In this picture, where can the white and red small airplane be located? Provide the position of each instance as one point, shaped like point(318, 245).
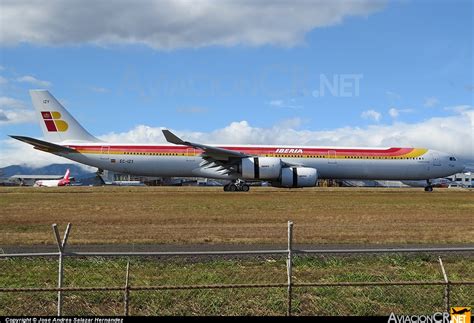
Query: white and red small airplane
point(281, 166)
point(54, 182)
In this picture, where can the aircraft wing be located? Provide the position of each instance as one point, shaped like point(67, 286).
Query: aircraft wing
point(44, 145)
point(210, 152)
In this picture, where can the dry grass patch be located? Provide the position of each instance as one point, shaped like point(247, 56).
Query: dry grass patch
point(103, 215)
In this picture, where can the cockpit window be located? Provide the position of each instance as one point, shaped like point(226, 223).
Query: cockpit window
point(452, 158)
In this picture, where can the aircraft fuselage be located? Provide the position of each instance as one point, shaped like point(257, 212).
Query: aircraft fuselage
point(331, 163)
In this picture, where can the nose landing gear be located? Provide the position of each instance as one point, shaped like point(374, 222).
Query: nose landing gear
point(237, 186)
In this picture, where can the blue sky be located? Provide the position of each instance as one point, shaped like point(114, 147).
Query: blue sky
point(373, 68)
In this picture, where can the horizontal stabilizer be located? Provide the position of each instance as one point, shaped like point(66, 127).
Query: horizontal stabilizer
point(44, 145)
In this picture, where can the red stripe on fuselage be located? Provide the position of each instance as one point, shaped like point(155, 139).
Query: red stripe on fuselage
point(251, 150)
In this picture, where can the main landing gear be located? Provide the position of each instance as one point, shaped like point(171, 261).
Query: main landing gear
point(428, 187)
point(237, 186)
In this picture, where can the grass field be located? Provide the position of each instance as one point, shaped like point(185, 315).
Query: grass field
point(148, 215)
point(360, 300)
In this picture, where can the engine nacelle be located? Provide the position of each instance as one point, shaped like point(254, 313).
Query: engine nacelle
point(260, 168)
point(298, 177)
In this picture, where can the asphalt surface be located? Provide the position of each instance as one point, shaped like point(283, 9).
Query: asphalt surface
point(219, 247)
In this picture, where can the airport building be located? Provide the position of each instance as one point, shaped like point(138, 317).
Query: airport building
point(462, 179)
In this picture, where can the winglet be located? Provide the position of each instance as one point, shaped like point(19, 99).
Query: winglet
point(214, 152)
point(172, 138)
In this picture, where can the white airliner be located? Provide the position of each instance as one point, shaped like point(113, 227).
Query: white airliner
point(282, 165)
point(54, 182)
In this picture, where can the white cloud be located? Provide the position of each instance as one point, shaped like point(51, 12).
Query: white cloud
point(11, 103)
point(276, 103)
point(450, 134)
point(169, 24)
point(371, 114)
point(459, 108)
point(3, 80)
point(394, 112)
point(454, 134)
point(33, 80)
point(16, 116)
point(14, 111)
point(288, 104)
point(431, 102)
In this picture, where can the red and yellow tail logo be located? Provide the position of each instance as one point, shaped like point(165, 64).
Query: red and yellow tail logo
point(53, 122)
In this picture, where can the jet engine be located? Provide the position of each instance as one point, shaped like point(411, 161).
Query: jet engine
point(260, 168)
point(298, 177)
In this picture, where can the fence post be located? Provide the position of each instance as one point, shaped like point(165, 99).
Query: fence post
point(447, 288)
point(127, 290)
point(61, 248)
point(289, 265)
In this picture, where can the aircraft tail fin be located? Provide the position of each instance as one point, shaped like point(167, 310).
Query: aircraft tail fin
point(65, 180)
point(57, 123)
point(66, 176)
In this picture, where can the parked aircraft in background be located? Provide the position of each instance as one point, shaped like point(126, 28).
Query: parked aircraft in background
point(281, 166)
point(55, 182)
point(30, 180)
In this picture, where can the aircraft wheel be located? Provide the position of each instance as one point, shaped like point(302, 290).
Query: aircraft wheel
point(429, 189)
point(226, 188)
point(245, 188)
point(232, 188)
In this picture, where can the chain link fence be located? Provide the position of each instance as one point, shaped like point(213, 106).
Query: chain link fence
point(264, 282)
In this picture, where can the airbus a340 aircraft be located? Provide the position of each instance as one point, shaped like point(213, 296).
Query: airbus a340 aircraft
point(282, 166)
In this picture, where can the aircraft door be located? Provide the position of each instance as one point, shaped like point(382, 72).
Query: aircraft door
point(190, 154)
point(104, 152)
point(332, 157)
point(436, 160)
